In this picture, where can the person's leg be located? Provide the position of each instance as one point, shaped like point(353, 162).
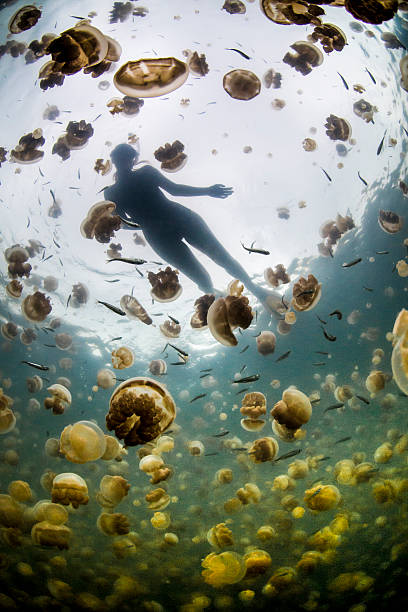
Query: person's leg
point(177, 254)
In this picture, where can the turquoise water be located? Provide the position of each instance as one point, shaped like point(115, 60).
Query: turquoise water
point(314, 555)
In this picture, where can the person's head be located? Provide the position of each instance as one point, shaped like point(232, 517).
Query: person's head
point(124, 156)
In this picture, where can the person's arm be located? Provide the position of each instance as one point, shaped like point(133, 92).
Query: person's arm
point(176, 189)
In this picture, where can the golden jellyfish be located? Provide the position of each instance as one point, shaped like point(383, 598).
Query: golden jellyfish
point(61, 399)
point(170, 329)
point(105, 379)
point(134, 310)
point(375, 381)
point(151, 463)
point(11, 513)
point(157, 499)
point(343, 393)
point(195, 448)
point(51, 447)
point(165, 285)
point(60, 590)
point(322, 497)
point(252, 424)
point(148, 78)
point(250, 492)
point(101, 222)
point(48, 534)
point(344, 472)
point(36, 307)
point(399, 358)
point(330, 36)
point(112, 490)
point(276, 277)
point(16, 257)
point(263, 449)
point(253, 405)
point(201, 306)
point(226, 314)
point(63, 341)
point(223, 568)
point(113, 450)
point(158, 367)
point(27, 152)
point(20, 491)
point(24, 19)
point(364, 472)
point(171, 156)
point(265, 343)
point(160, 520)
point(257, 562)
point(14, 289)
point(69, 488)
point(383, 453)
point(298, 469)
point(324, 539)
point(305, 57)
point(389, 221)
point(140, 409)
point(306, 293)
point(220, 536)
point(9, 330)
point(266, 533)
point(122, 358)
point(283, 327)
point(113, 524)
point(224, 476)
point(84, 441)
point(27, 336)
point(7, 417)
point(241, 84)
point(293, 410)
point(337, 128)
point(45, 510)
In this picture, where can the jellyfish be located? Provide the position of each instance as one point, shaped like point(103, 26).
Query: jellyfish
point(20, 491)
point(26, 152)
point(293, 410)
point(337, 128)
point(134, 309)
point(265, 343)
point(140, 409)
point(322, 497)
point(257, 562)
point(165, 285)
point(24, 19)
point(372, 13)
point(69, 488)
point(160, 520)
point(170, 329)
point(63, 341)
point(112, 490)
point(201, 306)
point(50, 283)
point(224, 476)
point(171, 156)
point(46, 510)
point(157, 499)
point(306, 56)
point(306, 293)
point(375, 381)
point(298, 469)
point(151, 463)
point(399, 358)
point(291, 12)
point(330, 37)
point(105, 379)
point(84, 441)
point(79, 295)
point(14, 289)
point(223, 568)
point(220, 536)
point(148, 78)
point(65, 363)
point(390, 222)
point(27, 336)
point(7, 417)
point(101, 222)
point(225, 314)
point(158, 367)
point(122, 358)
point(36, 307)
point(263, 449)
point(383, 453)
point(16, 257)
point(365, 110)
point(113, 524)
point(47, 534)
point(241, 84)
point(196, 448)
point(9, 330)
point(61, 399)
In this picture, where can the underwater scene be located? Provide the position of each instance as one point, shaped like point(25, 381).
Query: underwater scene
point(204, 340)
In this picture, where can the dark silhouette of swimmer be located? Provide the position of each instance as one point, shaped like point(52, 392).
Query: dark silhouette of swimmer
point(166, 224)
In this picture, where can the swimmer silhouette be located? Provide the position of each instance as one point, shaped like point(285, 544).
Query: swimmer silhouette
point(166, 224)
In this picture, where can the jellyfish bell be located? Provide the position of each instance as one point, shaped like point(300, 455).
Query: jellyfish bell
point(111, 524)
point(165, 285)
point(158, 367)
point(27, 336)
point(122, 358)
point(375, 381)
point(24, 19)
point(69, 488)
point(63, 341)
point(34, 384)
point(171, 156)
point(390, 222)
point(293, 410)
point(9, 330)
point(148, 78)
point(225, 314)
point(337, 128)
point(306, 293)
point(7, 416)
point(201, 306)
point(112, 490)
point(170, 329)
point(241, 84)
point(222, 569)
point(84, 441)
point(101, 222)
point(304, 58)
point(105, 379)
point(79, 295)
point(266, 342)
point(36, 307)
point(14, 289)
point(263, 449)
point(134, 310)
point(60, 398)
point(47, 534)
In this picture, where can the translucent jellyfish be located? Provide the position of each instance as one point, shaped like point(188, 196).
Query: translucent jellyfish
point(272, 79)
point(322, 497)
point(79, 295)
point(201, 305)
point(112, 490)
point(69, 488)
point(134, 309)
point(106, 379)
point(7, 417)
point(165, 285)
point(84, 441)
point(298, 469)
point(27, 152)
point(293, 410)
point(11, 513)
point(196, 448)
point(226, 314)
point(171, 156)
point(148, 78)
point(20, 491)
point(399, 358)
point(158, 367)
point(309, 144)
point(241, 84)
point(113, 524)
point(365, 110)
point(223, 568)
point(306, 293)
point(157, 499)
point(61, 399)
point(47, 534)
point(65, 363)
point(265, 342)
point(51, 447)
point(263, 449)
point(375, 381)
point(101, 222)
point(383, 453)
point(9, 330)
point(224, 476)
point(114, 450)
point(14, 289)
point(170, 329)
point(283, 327)
point(306, 56)
point(63, 341)
point(27, 336)
point(24, 19)
point(390, 222)
point(140, 409)
point(46, 510)
point(220, 536)
point(234, 7)
point(36, 307)
point(250, 492)
point(50, 283)
point(122, 358)
point(151, 463)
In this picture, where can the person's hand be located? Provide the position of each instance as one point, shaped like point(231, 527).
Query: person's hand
point(219, 191)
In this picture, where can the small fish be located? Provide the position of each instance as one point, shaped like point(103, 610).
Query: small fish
point(221, 434)
point(244, 349)
point(315, 401)
point(68, 300)
point(315, 493)
point(247, 379)
point(242, 369)
point(56, 243)
point(47, 258)
point(206, 370)
point(380, 146)
point(382, 252)
point(368, 288)
point(114, 309)
point(324, 459)
point(343, 80)
point(157, 314)
point(135, 262)
point(50, 345)
point(117, 338)
point(333, 407)
point(178, 363)
point(174, 320)
point(361, 179)
point(322, 352)
point(328, 336)
point(371, 76)
point(406, 131)
point(327, 176)
point(76, 17)
point(319, 363)
point(282, 357)
point(130, 223)
point(205, 375)
point(96, 117)
point(37, 366)
point(239, 449)
point(53, 195)
point(284, 303)
point(121, 379)
point(242, 391)
point(210, 454)
point(352, 263)
point(197, 397)
point(28, 222)
point(158, 263)
point(242, 54)
point(336, 313)
point(346, 439)
point(178, 350)
point(259, 251)
point(289, 455)
point(115, 280)
point(79, 170)
point(40, 171)
point(363, 399)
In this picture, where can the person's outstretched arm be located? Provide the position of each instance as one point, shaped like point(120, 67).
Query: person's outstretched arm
point(215, 191)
